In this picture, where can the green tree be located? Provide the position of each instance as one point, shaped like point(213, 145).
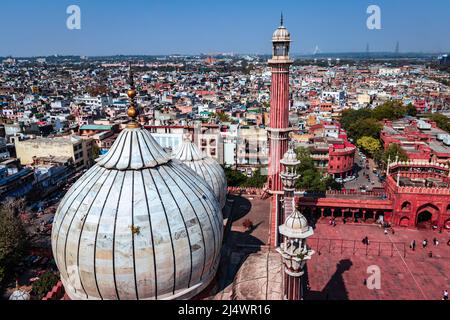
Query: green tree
point(369, 144)
point(13, 239)
point(442, 121)
point(95, 151)
point(223, 117)
point(411, 110)
point(369, 127)
point(235, 178)
point(366, 122)
point(45, 284)
point(255, 181)
point(392, 152)
point(351, 116)
point(311, 179)
point(391, 110)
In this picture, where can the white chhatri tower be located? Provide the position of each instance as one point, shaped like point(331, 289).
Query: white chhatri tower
point(294, 232)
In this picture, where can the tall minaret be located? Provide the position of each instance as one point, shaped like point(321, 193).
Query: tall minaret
point(279, 120)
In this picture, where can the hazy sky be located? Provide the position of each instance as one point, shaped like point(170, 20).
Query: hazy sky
point(108, 27)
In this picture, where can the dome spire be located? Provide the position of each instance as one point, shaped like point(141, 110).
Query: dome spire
point(282, 20)
point(132, 110)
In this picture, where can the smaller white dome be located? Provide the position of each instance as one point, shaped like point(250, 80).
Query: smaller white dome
point(19, 295)
point(206, 167)
point(290, 158)
point(296, 226)
point(281, 34)
point(297, 221)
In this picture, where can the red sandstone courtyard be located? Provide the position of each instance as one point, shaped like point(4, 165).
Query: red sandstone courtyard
point(405, 274)
point(339, 267)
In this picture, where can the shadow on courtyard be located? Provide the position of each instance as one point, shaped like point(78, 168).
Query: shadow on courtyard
point(335, 288)
point(241, 207)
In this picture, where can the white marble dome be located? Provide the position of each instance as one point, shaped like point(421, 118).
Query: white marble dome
point(296, 226)
point(20, 295)
point(281, 34)
point(137, 226)
point(206, 167)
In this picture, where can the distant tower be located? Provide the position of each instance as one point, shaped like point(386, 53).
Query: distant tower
point(316, 50)
point(279, 119)
point(397, 48)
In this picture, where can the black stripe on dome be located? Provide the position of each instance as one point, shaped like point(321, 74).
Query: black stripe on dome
point(61, 214)
point(132, 234)
point(75, 193)
point(151, 234)
point(96, 235)
point(121, 150)
point(185, 227)
point(200, 194)
point(82, 228)
point(170, 232)
point(73, 218)
point(140, 151)
point(114, 237)
point(150, 150)
point(111, 152)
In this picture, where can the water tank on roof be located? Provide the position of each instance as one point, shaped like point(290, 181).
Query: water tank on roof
point(423, 125)
point(446, 140)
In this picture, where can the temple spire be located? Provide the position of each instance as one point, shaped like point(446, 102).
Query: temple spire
point(132, 110)
point(281, 20)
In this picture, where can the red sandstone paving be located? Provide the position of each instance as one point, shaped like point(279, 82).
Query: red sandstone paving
point(414, 277)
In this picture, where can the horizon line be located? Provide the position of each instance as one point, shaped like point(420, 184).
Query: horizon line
point(226, 53)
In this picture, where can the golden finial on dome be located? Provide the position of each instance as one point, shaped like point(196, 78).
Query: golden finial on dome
point(132, 110)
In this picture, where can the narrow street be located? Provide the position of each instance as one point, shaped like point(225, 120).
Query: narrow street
point(360, 173)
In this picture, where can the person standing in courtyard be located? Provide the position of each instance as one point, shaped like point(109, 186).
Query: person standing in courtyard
point(445, 296)
point(424, 243)
point(413, 245)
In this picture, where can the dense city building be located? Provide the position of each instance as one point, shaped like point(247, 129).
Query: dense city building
point(223, 176)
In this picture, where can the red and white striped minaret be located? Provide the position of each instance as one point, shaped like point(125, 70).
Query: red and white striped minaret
point(279, 121)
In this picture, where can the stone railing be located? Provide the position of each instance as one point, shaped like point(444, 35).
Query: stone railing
point(332, 193)
point(57, 292)
point(249, 191)
point(419, 164)
point(423, 190)
point(420, 175)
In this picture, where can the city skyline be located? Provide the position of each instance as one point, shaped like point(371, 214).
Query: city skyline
point(189, 28)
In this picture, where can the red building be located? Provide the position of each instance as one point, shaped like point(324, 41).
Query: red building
point(331, 150)
point(420, 194)
point(416, 194)
point(341, 159)
point(420, 139)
